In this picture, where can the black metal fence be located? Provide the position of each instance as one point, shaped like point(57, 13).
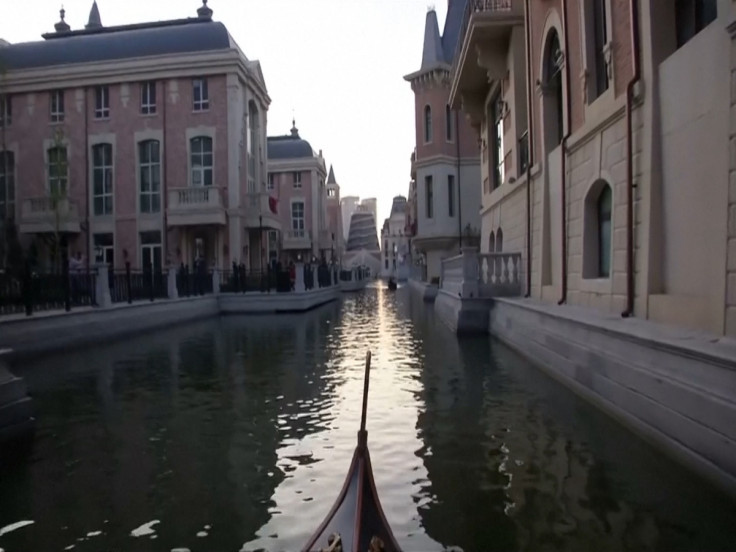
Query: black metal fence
point(196, 282)
point(129, 285)
point(31, 292)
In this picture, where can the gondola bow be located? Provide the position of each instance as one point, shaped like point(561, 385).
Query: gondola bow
point(356, 522)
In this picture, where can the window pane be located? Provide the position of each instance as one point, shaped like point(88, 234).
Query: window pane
point(145, 203)
point(156, 203)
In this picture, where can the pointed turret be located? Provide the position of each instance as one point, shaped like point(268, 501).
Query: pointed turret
point(204, 12)
point(432, 53)
point(62, 26)
point(95, 22)
point(331, 177)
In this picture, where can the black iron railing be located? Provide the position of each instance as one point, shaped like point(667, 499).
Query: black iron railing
point(129, 285)
point(194, 282)
point(30, 291)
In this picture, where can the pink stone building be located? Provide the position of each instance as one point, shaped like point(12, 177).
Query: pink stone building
point(305, 203)
point(140, 143)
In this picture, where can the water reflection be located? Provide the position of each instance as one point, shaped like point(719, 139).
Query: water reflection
point(236, 433)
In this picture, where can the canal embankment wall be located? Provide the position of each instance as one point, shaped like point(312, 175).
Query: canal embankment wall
point(48, 332)
point(676, 388)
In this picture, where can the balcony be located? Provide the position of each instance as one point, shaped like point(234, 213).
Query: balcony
point(41, 215)
point(257, 205)
point(480, 53)
point(195, 207)
point(297, 240)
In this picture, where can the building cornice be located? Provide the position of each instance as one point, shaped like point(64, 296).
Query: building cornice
point(298, 164)
point(134, 70)
point(446, 160)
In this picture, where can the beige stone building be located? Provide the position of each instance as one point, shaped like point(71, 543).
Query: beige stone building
point(605, 151)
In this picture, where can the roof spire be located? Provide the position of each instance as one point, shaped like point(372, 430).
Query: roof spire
point(432, 51)
point(94, 17)
point(294, 130)
point(62, 26)
point(331, 176)
point(204, 12)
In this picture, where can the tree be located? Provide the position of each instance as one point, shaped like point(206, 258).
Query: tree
point(57, 198)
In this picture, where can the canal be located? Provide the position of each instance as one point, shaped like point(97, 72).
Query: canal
point(235, 433)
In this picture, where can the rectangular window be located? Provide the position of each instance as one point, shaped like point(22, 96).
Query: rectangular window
point(271, 184)
point(692, 16)
point(7, 185)
point(331, 192)
point(6, 110)
point(104, 242)
point(201, 161)
point(200, 94)
point(57, 106)
point(600, 39)
point(57, 172)
point(451, 195)
point(498, 149)
point(151, 250)
point(297, 176)
point(297, 219)
point(148, 98)
point(429, 196)
point(102, 179)
point(448, 123)
point(102, 102)
point(149, 156)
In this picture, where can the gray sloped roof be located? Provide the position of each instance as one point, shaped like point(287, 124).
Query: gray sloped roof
point(111, 43)
point(453, 23)
point(288, 147)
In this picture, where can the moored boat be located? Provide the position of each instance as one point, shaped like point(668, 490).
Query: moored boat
point(356, 522)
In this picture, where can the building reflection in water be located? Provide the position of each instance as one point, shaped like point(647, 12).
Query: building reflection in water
point(517, 462)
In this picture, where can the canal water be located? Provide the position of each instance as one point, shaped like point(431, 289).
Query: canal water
point(235, 433)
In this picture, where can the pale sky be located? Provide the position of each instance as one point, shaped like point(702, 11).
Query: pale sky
point(337, 66)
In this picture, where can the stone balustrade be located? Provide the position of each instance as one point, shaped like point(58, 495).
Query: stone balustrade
point(473, 275)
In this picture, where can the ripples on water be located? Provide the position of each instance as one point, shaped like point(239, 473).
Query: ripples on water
point(236, 433)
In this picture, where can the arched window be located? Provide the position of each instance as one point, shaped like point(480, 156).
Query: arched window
point(552, 88)
point(427, 124)
point(201, 161)
point(597, 231)
point(448, 124)
point(149, 162)
point(492, 242)
point(499, 241)
point(605, 207)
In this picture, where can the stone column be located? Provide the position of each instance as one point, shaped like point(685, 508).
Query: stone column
point(102, 286)
point(469, 287)
point(171, 282)
point(299, 282)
